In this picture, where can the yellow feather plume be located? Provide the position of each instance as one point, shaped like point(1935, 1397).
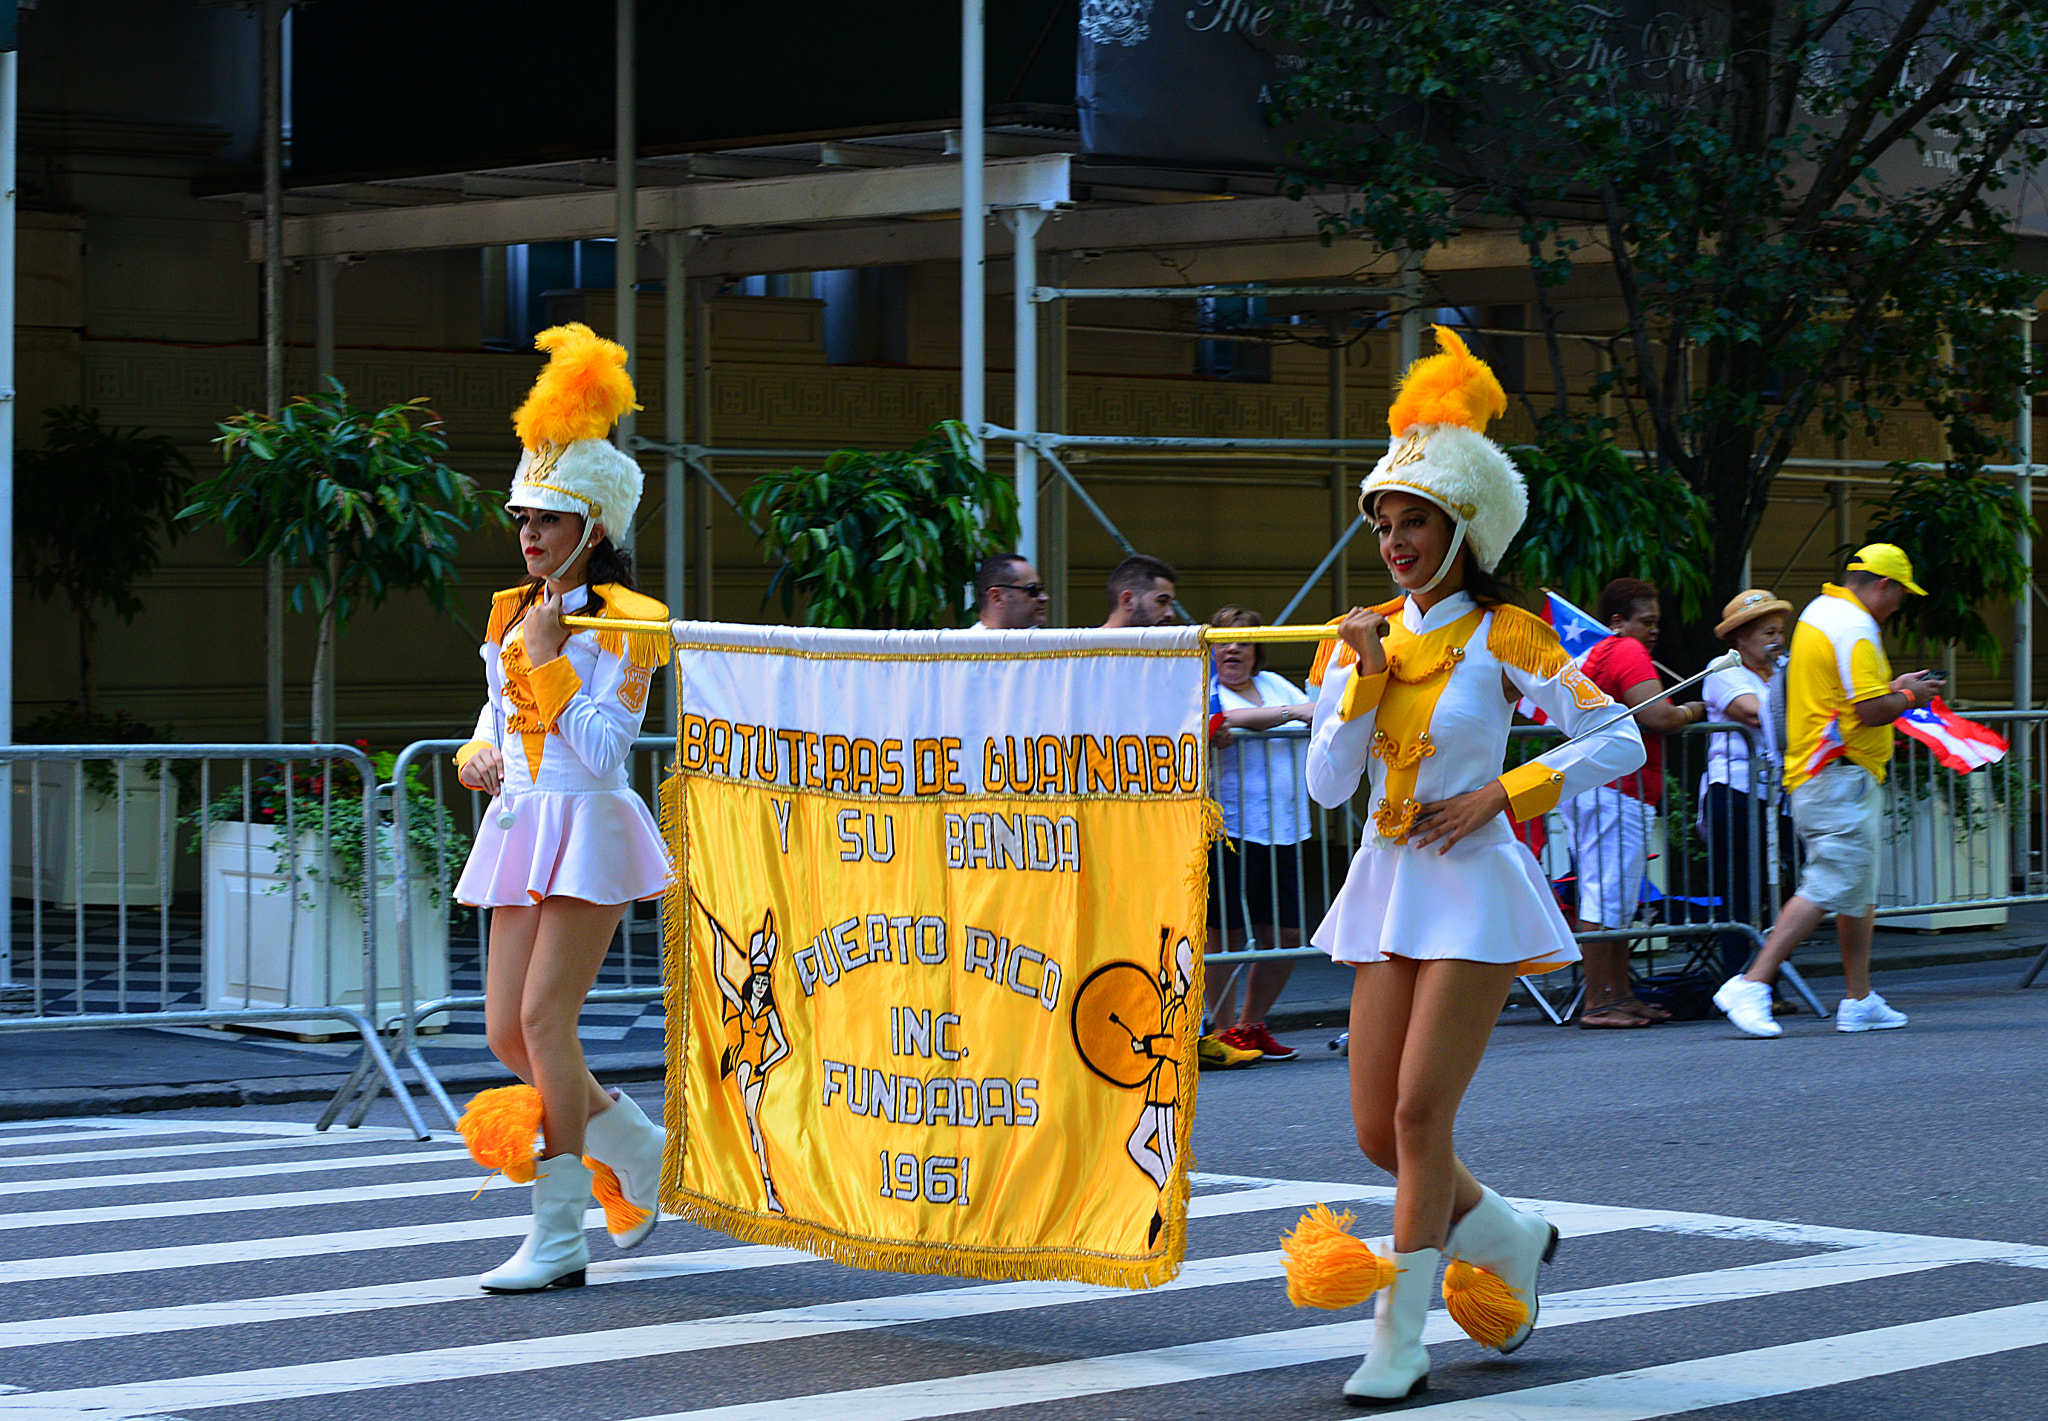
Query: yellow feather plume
point(1483, 1304)
point(1327, 1267)
point(499, 1127)
point(581, 393)
point(1451, 387)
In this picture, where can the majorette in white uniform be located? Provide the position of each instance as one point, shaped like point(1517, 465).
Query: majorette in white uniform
point(1433, 726)
point(1435, 723)
point(1430, 727)
point(566, 730)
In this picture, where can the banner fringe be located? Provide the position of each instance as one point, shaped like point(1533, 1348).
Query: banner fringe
point(675, 942)
point(1033, 1264)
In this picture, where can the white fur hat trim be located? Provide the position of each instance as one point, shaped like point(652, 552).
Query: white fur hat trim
point(1465, 474)
point(589, 476)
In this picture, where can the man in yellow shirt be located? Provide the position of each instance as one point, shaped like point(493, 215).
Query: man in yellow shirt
point(1840, 701)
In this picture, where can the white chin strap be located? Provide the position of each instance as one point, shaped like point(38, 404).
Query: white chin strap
point(589, 527)
point(1450, 554)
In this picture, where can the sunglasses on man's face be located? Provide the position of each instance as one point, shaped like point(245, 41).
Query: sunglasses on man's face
point(1029, 589)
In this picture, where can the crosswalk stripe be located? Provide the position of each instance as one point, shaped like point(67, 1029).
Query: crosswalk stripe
point(982, 1391)
point(338, 1302)
point(640, 1267)
point(1733, 1378)
point(259, 1250)
point(237, 1171)
point(466, 1183)
point(365, 1136)
point(1290, 1347)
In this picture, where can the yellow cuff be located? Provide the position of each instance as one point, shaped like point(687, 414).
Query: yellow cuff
point(1533, 789)
point(1362, 695)
point(554, 685)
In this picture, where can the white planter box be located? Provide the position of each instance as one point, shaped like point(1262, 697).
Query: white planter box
point(1926, 857)
point(278, 936)
point(91, 861)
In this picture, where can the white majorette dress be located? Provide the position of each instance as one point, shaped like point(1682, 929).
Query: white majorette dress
point(1435, 725)
point(566, 730)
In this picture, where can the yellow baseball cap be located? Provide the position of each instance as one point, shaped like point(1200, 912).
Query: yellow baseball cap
point(1887, 560)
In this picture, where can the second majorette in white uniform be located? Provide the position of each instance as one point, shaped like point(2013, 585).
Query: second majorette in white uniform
point(566, 843)
point(1442, 906)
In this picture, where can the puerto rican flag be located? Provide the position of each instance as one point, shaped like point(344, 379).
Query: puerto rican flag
point(1575, 628)
point(1576, 631)
point(1962, 745)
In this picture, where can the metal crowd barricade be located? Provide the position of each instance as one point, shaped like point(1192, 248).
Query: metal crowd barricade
point(423, 782)
point(114, 860)
point(1957, 850)
point(1271, 833)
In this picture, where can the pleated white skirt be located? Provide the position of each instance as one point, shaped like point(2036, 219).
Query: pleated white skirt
point(1484, 901)
point(598, 845)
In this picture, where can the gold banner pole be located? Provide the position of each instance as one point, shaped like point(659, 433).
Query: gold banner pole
point(1210, 635)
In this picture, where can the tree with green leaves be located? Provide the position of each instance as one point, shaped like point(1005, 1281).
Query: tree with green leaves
point(92, 510)
point(1802, 209)
point(359, 500)
point(886, 539)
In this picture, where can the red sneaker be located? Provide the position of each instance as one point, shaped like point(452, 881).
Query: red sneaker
point(1256, 1038)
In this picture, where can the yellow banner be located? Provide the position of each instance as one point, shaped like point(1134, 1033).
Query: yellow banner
point(940, 1017)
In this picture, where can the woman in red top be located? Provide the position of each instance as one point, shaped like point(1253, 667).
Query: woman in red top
point(1611, 824)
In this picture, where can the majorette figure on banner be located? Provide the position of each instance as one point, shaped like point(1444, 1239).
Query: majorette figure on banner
point(567, 844)
point(754, 1038)
point(1442, 906)
point(1127, 1025)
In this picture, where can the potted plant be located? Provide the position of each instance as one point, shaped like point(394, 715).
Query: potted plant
point(94, 831)
point(884, 539)
point(93, 508)
point(358, 500)
point(286, 857)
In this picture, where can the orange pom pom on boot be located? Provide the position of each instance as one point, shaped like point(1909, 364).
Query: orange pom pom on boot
point(1490, 1284)
point(623, 1149)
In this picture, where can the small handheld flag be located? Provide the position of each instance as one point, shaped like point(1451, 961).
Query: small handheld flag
point(1962, 745)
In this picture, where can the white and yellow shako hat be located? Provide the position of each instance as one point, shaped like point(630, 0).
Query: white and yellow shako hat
point(1441, 452)
point(569, 465)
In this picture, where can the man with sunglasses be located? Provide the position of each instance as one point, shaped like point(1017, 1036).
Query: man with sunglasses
point(1009, 595)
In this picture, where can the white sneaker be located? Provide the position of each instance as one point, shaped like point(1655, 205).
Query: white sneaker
point(1748, 1005)
point(1869, 1013)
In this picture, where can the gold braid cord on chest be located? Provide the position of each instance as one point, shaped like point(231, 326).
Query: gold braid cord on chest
point(1420, 667)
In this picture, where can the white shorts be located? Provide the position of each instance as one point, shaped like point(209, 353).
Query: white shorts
point(1611, 844)
point(1838, 814)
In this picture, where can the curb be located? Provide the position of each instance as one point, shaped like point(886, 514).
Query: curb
point(59, 1102)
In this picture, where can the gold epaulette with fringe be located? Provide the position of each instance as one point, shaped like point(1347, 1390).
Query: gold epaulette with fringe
point(1525, 641)
point(1334, 655)
point(504, 612)
point(647, 649)
point(642, 648)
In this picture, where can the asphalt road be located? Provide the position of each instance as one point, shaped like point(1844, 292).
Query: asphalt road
point(1822, 1226)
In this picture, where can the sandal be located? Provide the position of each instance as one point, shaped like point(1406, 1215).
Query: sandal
point(1643, 1009)
point(1610, 1018)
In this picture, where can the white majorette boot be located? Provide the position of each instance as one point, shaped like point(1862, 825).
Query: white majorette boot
point(623, 1149)
point(1490, 1283)
point(1397, 1367)
point(555, 1252)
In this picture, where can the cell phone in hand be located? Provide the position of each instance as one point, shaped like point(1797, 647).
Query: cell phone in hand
point(1935, 676)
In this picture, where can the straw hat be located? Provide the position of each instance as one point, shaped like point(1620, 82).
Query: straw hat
point(1745, 607)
